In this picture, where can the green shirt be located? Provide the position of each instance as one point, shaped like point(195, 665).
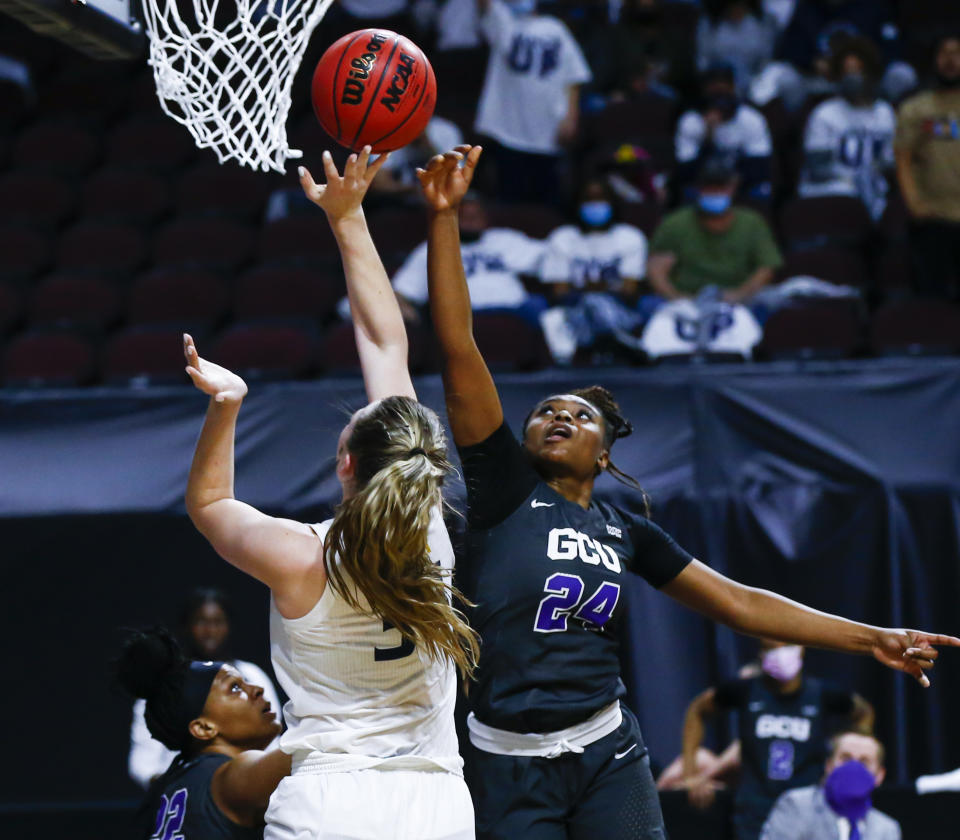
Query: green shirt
point(718, 259)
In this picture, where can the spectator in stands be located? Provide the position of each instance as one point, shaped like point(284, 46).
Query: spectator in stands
point(807, 42)
point(840, 807)
point(633, 174)
point(712, 243)
point(928, 169)
point(738, 32)
point(458, 25)
point(397, 178)
point(530, 102)
point(592, 269)
point(205, 633)
point(848, 143)
point(494, 260)
point(782, 721)
point(723, 125)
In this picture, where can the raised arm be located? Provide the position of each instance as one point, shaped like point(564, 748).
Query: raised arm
point(473, 405)
point(763, 614)
point(377, 322)
point(283, 554)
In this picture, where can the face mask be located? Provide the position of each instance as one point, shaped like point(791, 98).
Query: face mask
point(713, 204)
point(854, 87)
point(522, 8)
point(470, 236)
point(783, 663)
point(847, 791)
point(596, 213)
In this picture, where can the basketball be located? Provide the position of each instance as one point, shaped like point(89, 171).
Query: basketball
point(374, 87)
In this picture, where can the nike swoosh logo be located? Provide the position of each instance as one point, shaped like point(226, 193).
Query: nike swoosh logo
point(536, 504)
point(621, 755)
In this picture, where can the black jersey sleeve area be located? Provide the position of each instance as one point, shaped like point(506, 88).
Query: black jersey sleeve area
point(656, 555)
point(732, 694)
point(836, 701)
point(498, 478)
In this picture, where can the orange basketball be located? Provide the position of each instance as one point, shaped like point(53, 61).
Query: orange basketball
point(374, 87)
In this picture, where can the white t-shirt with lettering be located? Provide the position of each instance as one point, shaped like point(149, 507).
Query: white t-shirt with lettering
point(582, 257)
point(746, 134)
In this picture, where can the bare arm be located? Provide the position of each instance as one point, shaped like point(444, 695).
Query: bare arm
point(908, 182)
point(567, 130)
point(241, 788)
point(701, 708)
point(473, 405)
point(377, 322)
point(283, 554)
point(753, 284)
point(757, 612)
point(659, 267)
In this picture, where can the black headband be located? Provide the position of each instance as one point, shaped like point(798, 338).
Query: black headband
point(168, 715)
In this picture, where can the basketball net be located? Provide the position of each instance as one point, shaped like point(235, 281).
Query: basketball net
point(230, 86)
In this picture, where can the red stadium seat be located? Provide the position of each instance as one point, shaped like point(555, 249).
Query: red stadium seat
point(280, 351)
point(11, 306)
point(894, 271)
point(24, 252)
point(80, 93)
point(59, 359)
point(645, 215)
point(337, 354)
point(78, 300)
point(36, 199)
point(397, 231)
point(535, 220)
point(821, 329)
point(277, 291)
point(825, 220)
point(836, 265)
point(57, 146)
point(107, 247)
point(223, 191)
point(215, 244)
point(895, 219)
point(301, 239)
point(916, 327)
point(125, 195)
point(649, 115)
point(152, 142)
point(150, 354)
point(508, 342)
point(191, 300)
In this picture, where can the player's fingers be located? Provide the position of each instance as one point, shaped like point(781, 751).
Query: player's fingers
point(329, 167)
point(938, 639)
point(350, 167)
point(463, 148)
point(306, 181)
point(374, 167)
point(922, 652)
point(470, 165)
point(362, 160)
point(435, 163)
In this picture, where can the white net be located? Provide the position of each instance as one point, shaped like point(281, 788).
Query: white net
point(224, 70)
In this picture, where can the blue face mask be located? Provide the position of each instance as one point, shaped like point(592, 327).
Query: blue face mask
point(522, 8)
point(596, 213)
point(714, 204)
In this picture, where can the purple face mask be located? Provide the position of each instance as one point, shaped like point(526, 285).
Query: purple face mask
point(847, 790)
point(783, 663)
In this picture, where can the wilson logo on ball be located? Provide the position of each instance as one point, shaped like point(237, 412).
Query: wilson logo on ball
point(374, 87)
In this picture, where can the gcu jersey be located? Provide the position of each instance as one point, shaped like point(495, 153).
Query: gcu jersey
point(548, 580)
point(360, 694)
point(783, 742)
point(186, 809)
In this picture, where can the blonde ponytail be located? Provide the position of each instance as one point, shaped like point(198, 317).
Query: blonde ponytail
point(376, 549)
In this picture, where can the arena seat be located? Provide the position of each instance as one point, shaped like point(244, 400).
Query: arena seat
point(221, 191)
point(57, 146)
point(825, 220)
point(216, 244)
point(191, 300)
point(836, 265)
point(894, 271)
point(24, 252)
point(337, 355)
point(537, 221)
point(261, 351)
point(79, 94)
point(648, 115)
point(278, 291)
point(915, 327)
point(819, 329)
point(895, 220)
point(111, 248)
point(300, 239)
point(645, 215)
point(35, 199)
point(508, 342)
point(11, 306)
point(48, 358)
point(150, 142)
point(397, 231)
point(76, 300)
point(147, 354)
point(125, 195)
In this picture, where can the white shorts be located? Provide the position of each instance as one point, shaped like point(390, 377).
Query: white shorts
point(371, 805)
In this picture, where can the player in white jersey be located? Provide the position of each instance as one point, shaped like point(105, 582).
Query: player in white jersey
point(363, 634)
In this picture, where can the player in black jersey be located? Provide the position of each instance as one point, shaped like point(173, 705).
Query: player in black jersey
point(557, 756)
point(784, 720)
point(219, 785)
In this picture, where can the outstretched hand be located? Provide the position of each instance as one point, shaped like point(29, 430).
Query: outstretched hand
point(221, 384)
point(342, 195)
point(910, 651)
point(444, 181)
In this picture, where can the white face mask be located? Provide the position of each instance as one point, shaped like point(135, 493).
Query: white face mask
point(783, 663)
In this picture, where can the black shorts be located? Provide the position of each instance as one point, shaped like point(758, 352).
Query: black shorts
point(606, 792)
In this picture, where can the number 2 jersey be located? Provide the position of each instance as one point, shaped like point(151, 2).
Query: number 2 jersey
point(547, 577)
point(361, 695)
